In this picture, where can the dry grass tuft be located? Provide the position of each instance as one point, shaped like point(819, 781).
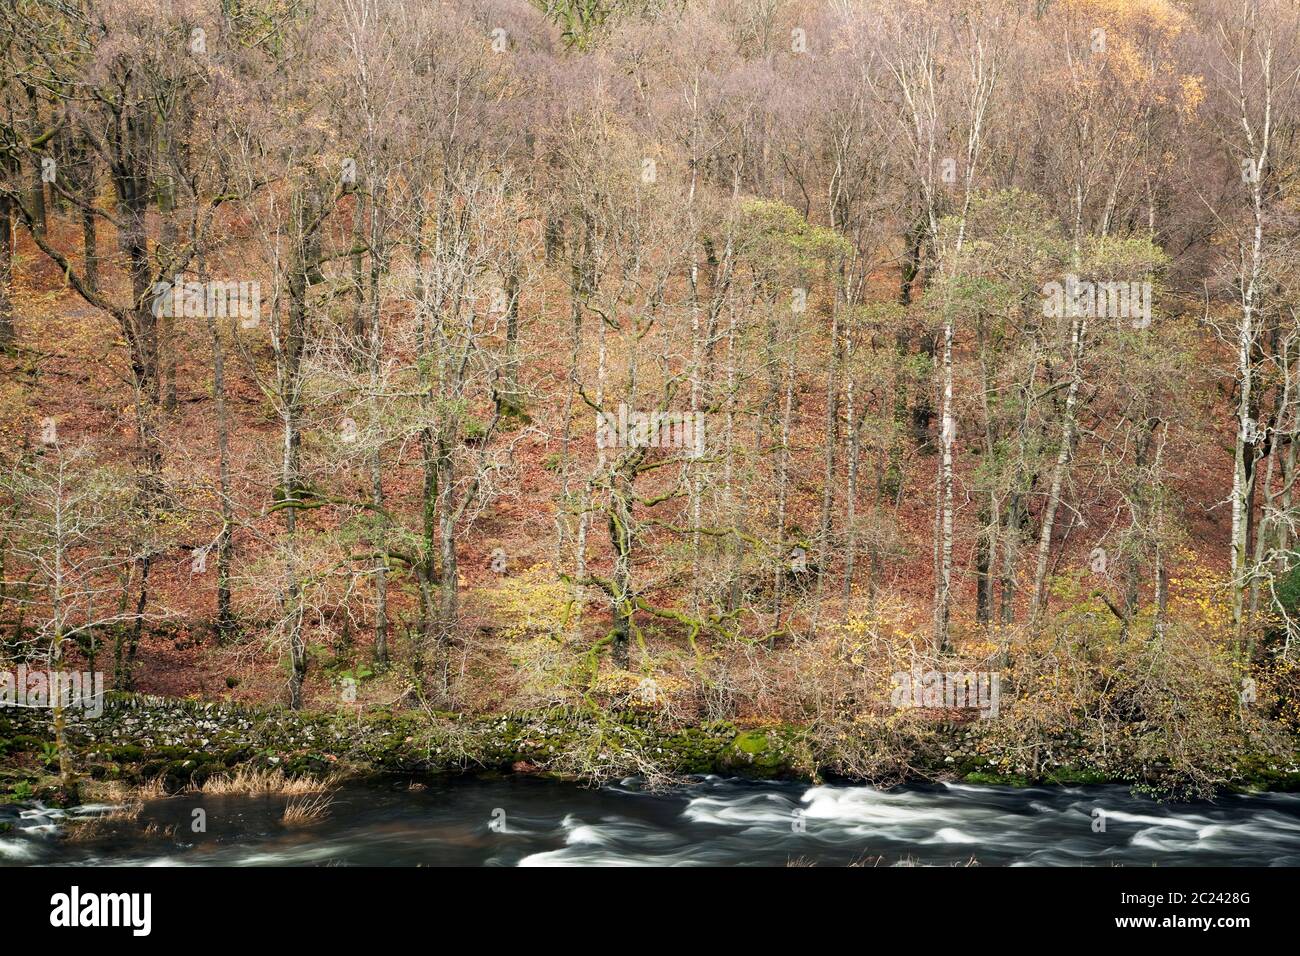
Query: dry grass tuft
point(107, 791)
point(248, 780)
point(149, 790)
point(307, 810)
point(90, 828)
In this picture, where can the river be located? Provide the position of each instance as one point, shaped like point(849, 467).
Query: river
point(528, 821)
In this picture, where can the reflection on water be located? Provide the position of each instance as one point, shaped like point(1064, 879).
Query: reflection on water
point(524, 821)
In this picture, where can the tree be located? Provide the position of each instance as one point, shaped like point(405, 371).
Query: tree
point(63, 529)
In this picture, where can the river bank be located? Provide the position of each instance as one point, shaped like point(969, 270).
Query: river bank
point(179, 744)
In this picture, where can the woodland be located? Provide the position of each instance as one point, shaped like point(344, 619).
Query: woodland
point(708, 360)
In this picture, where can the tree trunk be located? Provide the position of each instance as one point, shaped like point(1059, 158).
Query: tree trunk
point(376, 459)
point(37, 179)
point(783, 488)
point(225, 614)
point(7, 331)
point(851, 492)
point(943, 586)
point(1078, 331)
point(167, 239)
point(304, 225)
point(89, 221)
point(449, 585)
point(830, 438)
point(620, 536)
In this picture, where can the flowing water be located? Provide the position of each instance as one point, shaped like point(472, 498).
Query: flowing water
point(526, 821)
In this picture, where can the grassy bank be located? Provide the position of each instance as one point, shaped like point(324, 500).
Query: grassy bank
point(170, 745)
